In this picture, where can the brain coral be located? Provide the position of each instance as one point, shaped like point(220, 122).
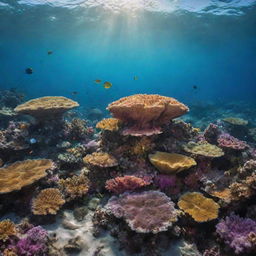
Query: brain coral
point(201, 208)
point(100, 159)
point(203, 149)
point(144, 114)
point(150, 211)
point(48, 201)
point(171, 163)
point(46, 107)
point(20, 174)
point(7, 229)
point(127, 183)
point(109, 124)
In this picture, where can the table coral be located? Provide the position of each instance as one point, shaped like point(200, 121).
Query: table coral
point(144, 114)
point(201, 208)
point(235, 232)
point(7, 229)
point(48, 201)
point(120, 185)
point(100, 159)
point(20, 174)
point(227, 141)
point(109, 124)
point(145, 212)
point(203, 149)
point(171, 163)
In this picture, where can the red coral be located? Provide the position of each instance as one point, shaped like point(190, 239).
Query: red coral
point(127, 183)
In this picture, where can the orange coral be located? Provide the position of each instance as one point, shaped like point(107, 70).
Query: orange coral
point(171, 163)
point(201, 208)
point(7, 229)
point(109, 124)
point(74, 187)
point(48, 201)
point(100, 159)
point(144, 114)
point(20, 174)
point(46, 107)
point(224, 194)
point(126, 183)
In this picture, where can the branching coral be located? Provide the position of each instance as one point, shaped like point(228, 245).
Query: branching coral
point(48, 201)
point(236, 232)
point(171, 163)
point(100, 159)
point(74, 187)
point(20, 174)
point(203, 149)
point(7, 229)
point(229, 142)
point(145, 212)
point(201, 208)
point(109, 124)
point(144, 114)
point(127, 183)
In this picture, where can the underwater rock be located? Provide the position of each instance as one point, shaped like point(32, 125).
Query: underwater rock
point(93, 203)
point(74, 245)
point(69, 225)
point(80, 213)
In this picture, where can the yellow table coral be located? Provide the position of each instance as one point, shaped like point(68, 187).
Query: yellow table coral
point(201, 208)
point(170, 162)
point(109, 124)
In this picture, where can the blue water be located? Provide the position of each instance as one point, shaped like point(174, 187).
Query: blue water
point(210, 44)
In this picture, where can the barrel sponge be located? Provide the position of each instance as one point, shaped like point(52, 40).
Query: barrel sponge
point(48, 201)
point(145, 113)
point(20, 174)
point(146, 212)
point(201, 208)
point(171, 163)
point(100, 159)
point(46, 107)
point(109, 124)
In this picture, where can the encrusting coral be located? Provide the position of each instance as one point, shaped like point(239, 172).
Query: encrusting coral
point(201, 208)
point(100, 159)
point(146, 212)
point(46, 107)
point(74, 187)
point(20, 174)
point(48, 201)
point(171, 163)
point(120, 185)
point(109, 124)
point(203, 149)
point(144, 114)
point(7, 229)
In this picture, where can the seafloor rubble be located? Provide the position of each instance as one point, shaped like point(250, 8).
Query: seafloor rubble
point(139, 183)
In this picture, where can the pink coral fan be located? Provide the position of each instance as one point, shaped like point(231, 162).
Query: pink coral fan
point(225, 140)
point(149, 211)
point(127, 183)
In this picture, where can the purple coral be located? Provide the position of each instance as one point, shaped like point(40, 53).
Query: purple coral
point(225, 140)
point(149, 211)
point(236, 231)
point(167, 183)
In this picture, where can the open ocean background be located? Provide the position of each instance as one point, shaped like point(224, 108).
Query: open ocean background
point(169, 45)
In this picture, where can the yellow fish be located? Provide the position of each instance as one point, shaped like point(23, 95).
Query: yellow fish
point(97, 81)
point(107, 85)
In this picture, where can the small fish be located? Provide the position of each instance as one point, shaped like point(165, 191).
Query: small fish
point(74, 93)
point(32, 141)
point(97, 81)
point(135, 78)
point(29, 71)
point(50, 52)
point(194, 87)
point(107, 85)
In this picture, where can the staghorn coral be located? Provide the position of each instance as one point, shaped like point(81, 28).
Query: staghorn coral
point(20, 174)
point(145, 114)
point(48, 201)
point(229, 142)
point(201, 208)
point(46, 107)
point(236, 233)
point(127, 183)
point(203, 149)
point(109, 124)
point(7, 229)
point(235, 121)
point(100, 159)
point(146, 212)
point(74, 187)
point(171, 163)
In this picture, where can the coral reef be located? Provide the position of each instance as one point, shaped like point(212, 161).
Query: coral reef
point(109, 124)
point(100, 159)
point(7, 229)
point(145, 212)
point(229, 142)
point(235, 121)
point(144, 114)
point(48, 201)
